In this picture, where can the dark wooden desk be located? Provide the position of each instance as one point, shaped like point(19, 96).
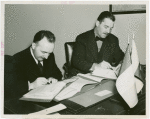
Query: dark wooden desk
point(105, 107)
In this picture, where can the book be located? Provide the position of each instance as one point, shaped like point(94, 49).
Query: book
point(46, 93)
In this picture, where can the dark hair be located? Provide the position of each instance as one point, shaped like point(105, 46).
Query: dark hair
point(105, 14)
point(43, 33)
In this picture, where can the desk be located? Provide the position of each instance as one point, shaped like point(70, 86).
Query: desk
point(104, 107)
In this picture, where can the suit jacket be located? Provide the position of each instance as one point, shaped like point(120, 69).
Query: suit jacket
point(85, 52)
point(26, 69)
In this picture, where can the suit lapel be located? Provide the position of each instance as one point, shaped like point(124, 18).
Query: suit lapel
point(92, 45)
point(31, 65)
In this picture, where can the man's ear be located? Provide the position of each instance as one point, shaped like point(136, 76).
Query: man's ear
point(97, 23)
point(33, 45)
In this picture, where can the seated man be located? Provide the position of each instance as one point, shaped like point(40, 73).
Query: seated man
point(97, 48)
point(35, 66)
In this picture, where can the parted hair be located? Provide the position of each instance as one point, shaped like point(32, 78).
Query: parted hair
point(44, 33)
point(106, 14)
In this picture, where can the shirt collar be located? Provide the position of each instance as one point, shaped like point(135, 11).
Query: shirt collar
point(34, 57)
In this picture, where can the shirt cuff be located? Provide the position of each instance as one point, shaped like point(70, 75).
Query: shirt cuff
point(93, 67)
point(30, 86)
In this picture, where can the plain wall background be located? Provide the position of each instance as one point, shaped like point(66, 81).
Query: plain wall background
point(66, 22)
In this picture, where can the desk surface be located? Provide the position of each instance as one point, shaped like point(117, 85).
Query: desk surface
point(104, 107)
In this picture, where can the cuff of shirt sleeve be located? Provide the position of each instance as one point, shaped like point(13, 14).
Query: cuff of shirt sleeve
point(30, 86)
point(93, 67)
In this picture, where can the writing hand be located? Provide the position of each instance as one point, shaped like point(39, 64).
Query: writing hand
point(52, 80)
point(38, 82)
point(105, 65)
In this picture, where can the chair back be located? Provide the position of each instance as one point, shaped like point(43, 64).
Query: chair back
point(68, 51)
point(9, 78)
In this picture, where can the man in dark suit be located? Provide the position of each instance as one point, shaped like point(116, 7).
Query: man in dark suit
point(35, 66)
point(97, 48)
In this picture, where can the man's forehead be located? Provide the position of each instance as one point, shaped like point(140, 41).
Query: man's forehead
point(108, 21)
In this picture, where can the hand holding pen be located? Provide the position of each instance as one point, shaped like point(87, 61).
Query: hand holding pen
point(51, 80)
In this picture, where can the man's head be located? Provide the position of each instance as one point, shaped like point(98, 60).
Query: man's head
point(43, 44)
point(104, 24)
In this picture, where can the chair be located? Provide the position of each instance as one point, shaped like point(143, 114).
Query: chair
point(9, 79)
point(68, 52)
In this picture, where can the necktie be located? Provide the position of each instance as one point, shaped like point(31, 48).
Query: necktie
point(99, 42)
point(40, 67)
point(97, 38)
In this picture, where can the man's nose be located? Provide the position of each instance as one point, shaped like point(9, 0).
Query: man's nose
point(108, 30)
point(46, 56)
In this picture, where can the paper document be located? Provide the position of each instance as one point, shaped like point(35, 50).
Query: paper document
point(105, 73)
point(45, 92)
point(103, 93)
point(72, 79)
point(90, 77)
point(72, 89)
point(50, 110)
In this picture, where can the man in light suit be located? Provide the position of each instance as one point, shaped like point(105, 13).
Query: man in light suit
point(97, 48)
point(35, 66)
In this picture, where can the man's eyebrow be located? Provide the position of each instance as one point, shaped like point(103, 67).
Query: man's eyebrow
point(46, 52)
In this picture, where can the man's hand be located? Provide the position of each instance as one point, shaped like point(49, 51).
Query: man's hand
point(38, 82)
point(105, 65)
point(52, 80)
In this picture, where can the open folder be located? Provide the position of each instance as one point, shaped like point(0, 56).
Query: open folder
point(59, 90)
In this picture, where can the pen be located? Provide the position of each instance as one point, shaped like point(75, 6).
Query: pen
point(49, 82)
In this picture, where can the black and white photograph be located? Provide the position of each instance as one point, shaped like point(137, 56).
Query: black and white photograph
point(65, 59)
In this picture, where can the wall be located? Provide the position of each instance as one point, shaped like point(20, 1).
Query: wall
point(129, 24)
point(66, 22)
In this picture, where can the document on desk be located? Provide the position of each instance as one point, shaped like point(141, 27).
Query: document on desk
point(103, 93)
point(70, 80)
point(105, 73)
point(72, 89)
point(90, 77)
point(50, 110)
point(44, 93)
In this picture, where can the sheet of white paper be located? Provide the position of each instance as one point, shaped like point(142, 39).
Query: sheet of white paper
point(103, 93)
point(105, 73)
point(72, 79)
point(78, 84)
point(66, 93)
point(46, 91)
point(91, 77)
point(72, 89)
point(127, 87)
point(50, 110)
